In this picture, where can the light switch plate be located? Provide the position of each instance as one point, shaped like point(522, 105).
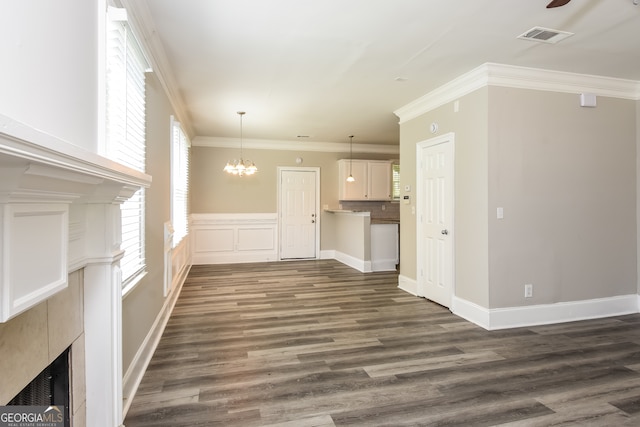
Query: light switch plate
point(500, 213)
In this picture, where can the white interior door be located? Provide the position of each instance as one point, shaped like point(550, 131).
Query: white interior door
point(435, 201)
point(299, 213)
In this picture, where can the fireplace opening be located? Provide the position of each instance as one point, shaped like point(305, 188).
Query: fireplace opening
point(49, 387)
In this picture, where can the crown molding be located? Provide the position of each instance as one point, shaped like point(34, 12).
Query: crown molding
point(265, 144)
point(491, 74)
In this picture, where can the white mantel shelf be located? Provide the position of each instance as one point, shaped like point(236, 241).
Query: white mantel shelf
point(59, 212)
point(25, 151)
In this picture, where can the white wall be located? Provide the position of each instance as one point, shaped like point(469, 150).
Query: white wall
point(48, 77)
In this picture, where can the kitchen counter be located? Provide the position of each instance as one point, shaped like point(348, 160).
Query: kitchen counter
point(348, 211)
point(364, 213)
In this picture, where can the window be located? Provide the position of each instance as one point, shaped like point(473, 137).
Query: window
point(179, 182)
point(125, 132)
point(395, 190)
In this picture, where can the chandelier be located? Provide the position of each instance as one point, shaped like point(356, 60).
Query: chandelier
point(241, 167)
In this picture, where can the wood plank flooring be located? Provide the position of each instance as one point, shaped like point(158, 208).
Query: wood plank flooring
point(316, 343)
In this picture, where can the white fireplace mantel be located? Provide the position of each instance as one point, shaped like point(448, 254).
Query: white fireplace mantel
point(59, 212)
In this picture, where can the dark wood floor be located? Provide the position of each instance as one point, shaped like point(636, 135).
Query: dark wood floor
point(316, 343)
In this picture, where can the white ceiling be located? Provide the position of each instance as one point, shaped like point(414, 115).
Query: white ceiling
point(331, 68)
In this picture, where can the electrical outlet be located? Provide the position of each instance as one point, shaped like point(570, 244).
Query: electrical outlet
point(528, 290)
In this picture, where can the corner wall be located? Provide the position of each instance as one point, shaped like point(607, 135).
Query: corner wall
point(469, 124)
point(566, 178)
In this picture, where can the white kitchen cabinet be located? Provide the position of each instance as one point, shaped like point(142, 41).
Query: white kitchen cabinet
point(379, 180)
point(356, 190)
point(372, 179)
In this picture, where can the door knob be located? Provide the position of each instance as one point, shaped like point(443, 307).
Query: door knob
point(313, 215)
point(445, 232)
point(313, 221)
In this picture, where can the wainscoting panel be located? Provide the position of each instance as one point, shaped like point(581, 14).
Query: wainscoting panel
point(216, 240)
point(256, 239)
point(234, 238)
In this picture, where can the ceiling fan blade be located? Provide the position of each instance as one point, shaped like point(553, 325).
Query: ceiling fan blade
point(557, 3)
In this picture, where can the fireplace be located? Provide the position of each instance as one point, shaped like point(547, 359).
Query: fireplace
point(49, 387)
point(60, 237)
point(48, 336)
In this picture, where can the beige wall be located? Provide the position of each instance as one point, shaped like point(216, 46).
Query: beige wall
point(141, 307)
point(566, 178)
point(215, 191)
point(471, 239)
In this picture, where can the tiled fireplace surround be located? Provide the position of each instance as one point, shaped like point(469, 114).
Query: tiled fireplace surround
point(33, 339)
point(60, 281)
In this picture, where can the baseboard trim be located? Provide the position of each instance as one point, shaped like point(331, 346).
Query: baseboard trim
point(353, 262)
point(544, 314)
point(384, 265)
point(132, 378)
point(472, 312)
point(233, 258)
point(328, 254)
point(408, 285)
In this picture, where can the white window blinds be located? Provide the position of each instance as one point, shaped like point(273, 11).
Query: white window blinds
point(179, 182)
point(125, 131)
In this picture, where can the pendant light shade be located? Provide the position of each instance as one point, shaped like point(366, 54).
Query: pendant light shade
point(241, 167)
point(350, 178)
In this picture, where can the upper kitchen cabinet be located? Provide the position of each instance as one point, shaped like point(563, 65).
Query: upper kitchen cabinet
point(356, 190)
point(372, 179)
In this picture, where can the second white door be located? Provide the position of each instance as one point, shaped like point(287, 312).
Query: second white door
point(298, 214)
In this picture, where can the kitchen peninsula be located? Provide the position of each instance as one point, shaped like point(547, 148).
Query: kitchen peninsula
point(361, 242)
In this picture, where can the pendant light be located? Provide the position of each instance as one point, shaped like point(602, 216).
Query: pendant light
point(350, 178)
point(241, 167)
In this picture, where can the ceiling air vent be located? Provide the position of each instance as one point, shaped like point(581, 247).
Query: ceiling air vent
point(544, 35)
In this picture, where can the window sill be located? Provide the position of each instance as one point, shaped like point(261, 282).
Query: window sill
point(131, 284)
